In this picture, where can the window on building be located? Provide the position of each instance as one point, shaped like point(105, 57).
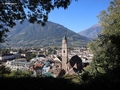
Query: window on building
point(63, 51)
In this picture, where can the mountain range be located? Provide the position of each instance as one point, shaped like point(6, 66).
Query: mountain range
point(91, 32)
point(28, 34)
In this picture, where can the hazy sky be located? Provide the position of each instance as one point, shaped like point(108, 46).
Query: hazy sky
point(80, 15)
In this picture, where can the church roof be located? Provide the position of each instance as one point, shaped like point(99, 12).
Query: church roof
point(65, 37)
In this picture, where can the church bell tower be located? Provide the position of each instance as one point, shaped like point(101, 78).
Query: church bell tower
point(64, 53)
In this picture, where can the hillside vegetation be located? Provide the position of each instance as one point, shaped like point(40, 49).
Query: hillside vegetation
point(51, 34)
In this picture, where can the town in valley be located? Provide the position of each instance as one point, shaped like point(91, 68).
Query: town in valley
point(47, 61)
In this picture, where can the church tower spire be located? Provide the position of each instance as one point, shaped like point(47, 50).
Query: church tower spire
point(64, 53)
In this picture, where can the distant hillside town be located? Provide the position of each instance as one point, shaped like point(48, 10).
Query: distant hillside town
point(49, 61)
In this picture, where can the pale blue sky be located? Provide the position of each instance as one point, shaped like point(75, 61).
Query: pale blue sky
point(80, 15)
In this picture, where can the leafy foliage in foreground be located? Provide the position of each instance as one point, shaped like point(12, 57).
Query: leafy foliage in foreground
point(108, 81)
point(22, 80)
point(106, 47)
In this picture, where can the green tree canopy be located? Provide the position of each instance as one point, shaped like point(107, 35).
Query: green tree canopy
point(34, 10)
point(106, 47)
